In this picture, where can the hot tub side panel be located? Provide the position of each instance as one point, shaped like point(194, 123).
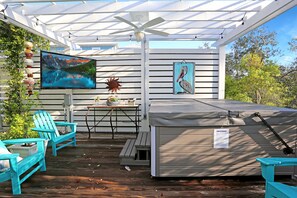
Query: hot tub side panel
point(189, 152)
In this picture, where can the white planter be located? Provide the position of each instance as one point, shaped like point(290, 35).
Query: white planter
point(26, 150)
point(23, 150)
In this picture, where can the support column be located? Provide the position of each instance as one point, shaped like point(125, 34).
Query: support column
point(222, 72)
point(68, 106)
point(144, 78)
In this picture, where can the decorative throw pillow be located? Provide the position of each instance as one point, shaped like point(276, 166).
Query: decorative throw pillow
point(4, 164)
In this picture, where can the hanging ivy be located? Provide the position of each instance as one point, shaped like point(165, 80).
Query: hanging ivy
point(17, 105)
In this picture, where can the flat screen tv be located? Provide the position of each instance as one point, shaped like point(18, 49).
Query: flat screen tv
point(60, 71)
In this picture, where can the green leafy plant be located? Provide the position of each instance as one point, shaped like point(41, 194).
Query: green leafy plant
point(113, 99)
point(17, 105)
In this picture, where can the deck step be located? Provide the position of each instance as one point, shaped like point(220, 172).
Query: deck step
point(143, 141)
point(129, 150)
point(143, 146)
point(130, 155)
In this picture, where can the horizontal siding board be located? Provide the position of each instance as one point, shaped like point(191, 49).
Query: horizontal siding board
point(184, 51)
point(169, 85)
point(202, 56)
point(118, 74)
point(197, 62)
point(170, 90)
point(170, 73)
point(170, 68)
point(117, 68)
point(171, 96)
point(197, 78)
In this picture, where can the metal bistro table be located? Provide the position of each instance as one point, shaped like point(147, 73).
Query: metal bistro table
point(112, 117)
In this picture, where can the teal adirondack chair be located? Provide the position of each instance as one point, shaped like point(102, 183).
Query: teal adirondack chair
point(47, 129)
point(21, 168)
point(277, 189)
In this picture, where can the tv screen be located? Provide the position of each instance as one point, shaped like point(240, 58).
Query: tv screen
point(60, 71)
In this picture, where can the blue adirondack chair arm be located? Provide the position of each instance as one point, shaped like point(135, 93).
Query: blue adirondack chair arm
point(65, 123)
point(43, 130)
point(18, 141)
point(8, 156)
point(72, 125)
point(278, 161)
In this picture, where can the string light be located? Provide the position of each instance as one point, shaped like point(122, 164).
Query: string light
point(222, 34)
point(37, 21)
point(242, 19)
point(3, 10)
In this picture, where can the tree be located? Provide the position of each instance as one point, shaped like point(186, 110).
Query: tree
point(258, 83)
point(293, 44)
point(258, 41)
point(289, 77)
point(16, 108)
point(250, 75)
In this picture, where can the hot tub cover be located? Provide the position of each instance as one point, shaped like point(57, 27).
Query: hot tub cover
point(209, 112)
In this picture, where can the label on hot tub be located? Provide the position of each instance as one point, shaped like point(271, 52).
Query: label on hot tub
point(221, 138)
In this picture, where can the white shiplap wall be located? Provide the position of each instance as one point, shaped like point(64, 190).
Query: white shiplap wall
point(161, 72)
point(127, 65)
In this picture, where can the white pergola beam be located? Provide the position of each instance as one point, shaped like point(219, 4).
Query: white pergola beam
point(39, 1)
point(117, 38)
point(31, 26)
point(119, 7)
point(268, 13)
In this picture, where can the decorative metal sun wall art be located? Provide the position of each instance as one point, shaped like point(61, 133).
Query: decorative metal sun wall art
point(113, 84)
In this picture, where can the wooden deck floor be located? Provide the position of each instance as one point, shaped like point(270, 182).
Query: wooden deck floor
point(92, 169)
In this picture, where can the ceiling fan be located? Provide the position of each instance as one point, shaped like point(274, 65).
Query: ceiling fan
point(139, 31)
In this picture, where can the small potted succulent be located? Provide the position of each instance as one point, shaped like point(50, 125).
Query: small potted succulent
point(112, 100)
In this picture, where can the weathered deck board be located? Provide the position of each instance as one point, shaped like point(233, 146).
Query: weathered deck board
point(92, 169)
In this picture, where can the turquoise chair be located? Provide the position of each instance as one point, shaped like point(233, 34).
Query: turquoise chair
point(47, 129)
point(277, 189)
point(18, 171)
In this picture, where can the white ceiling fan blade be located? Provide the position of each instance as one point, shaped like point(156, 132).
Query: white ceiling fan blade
point(126, 21)
point(152, 23)
point(126, 30)
point(156, 32)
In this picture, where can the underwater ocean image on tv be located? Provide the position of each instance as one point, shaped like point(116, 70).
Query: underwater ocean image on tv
point(59, 71)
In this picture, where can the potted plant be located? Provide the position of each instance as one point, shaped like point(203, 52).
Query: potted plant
point(112, 100)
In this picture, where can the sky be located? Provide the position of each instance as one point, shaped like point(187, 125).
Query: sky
point(285, 26)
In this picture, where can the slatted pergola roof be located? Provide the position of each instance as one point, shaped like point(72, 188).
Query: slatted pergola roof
point(70, 22)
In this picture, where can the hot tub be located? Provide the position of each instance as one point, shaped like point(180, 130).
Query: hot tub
point(198, 138)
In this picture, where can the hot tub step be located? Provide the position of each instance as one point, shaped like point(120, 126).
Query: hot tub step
point(131, 156)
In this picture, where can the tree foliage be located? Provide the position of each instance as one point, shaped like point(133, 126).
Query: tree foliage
point(259, 41)
point(258, 84)
point(250, 75)
point(289, 77)
point(16, 108)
